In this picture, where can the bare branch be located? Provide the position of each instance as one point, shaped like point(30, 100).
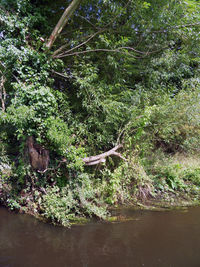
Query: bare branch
point(94, 160)
point(72, 49)
point(94, 50)
point(118, 155)
point(117, 50)
point(60, 49)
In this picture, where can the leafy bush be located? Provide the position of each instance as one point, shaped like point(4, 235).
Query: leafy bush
point(73, 202)
point(167, 177)
point(59, 205)
point(169, 73)
point(192, 175)
point(173, 125)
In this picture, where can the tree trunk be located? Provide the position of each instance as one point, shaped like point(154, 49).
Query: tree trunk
point(38, 155)
point(62, 22)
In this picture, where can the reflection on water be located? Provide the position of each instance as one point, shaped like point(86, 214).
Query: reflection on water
point(170, 239)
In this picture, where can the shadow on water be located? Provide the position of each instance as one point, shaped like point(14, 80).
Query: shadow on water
point(170, 239)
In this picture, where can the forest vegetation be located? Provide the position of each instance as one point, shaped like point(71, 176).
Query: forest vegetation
point(118, 80)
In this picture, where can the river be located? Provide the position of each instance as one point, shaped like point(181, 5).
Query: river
point(149, 238)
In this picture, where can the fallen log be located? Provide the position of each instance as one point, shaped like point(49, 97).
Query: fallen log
point(94, 160)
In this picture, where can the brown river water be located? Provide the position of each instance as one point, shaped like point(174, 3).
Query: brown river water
point(149, 238)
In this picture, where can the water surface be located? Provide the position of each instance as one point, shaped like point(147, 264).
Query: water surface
point(151, 239)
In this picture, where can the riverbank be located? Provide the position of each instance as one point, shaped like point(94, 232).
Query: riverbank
point(31, 203)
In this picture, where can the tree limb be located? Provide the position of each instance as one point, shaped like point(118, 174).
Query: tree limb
point(65, 18)
point(69, 11)
point(117, 50)
point(93, 50)
point(73, 48)
point(94, 160)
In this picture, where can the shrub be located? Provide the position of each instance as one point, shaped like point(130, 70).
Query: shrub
point(172, 125)
point(74, 201)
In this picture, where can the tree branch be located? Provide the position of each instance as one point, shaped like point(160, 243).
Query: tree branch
point(93, 50)
point(92, 36)
point(94, 160)
point(69, 11)
point(117, 50)
point(70, 50)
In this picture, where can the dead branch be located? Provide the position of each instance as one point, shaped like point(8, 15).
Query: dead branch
point(94, 160)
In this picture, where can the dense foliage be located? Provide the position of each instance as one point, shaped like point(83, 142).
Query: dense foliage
point(120, 72)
